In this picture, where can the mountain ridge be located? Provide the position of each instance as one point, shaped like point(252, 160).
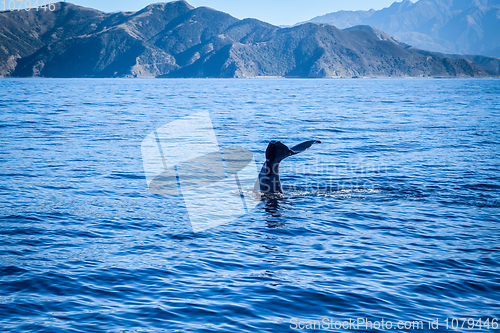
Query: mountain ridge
point(175, 39)
point(446, 26)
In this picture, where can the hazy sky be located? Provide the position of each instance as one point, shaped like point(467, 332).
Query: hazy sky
point(279, 12)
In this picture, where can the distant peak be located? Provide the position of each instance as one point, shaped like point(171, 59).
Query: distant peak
point(402, 4)
point(163, 5)
point(185, 3)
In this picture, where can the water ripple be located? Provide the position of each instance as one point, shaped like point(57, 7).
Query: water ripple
point(394, 216)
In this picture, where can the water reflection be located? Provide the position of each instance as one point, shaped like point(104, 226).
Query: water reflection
point(273, 210)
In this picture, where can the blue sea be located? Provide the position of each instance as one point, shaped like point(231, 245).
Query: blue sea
point(394, 217)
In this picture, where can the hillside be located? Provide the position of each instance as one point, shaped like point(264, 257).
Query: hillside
point(448, 26)
point(176, 40)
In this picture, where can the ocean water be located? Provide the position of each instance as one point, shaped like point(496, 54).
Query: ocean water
point(394, 216)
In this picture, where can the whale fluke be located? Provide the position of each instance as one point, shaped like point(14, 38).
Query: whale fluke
point(269, 177)
point(303, 146)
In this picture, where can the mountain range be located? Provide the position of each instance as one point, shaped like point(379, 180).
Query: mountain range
point(447, 26)
point(176, 40)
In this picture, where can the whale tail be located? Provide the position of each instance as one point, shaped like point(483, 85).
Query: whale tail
point(303, 146)
point(269, 179)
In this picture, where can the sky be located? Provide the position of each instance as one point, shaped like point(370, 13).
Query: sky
point(278, 12)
